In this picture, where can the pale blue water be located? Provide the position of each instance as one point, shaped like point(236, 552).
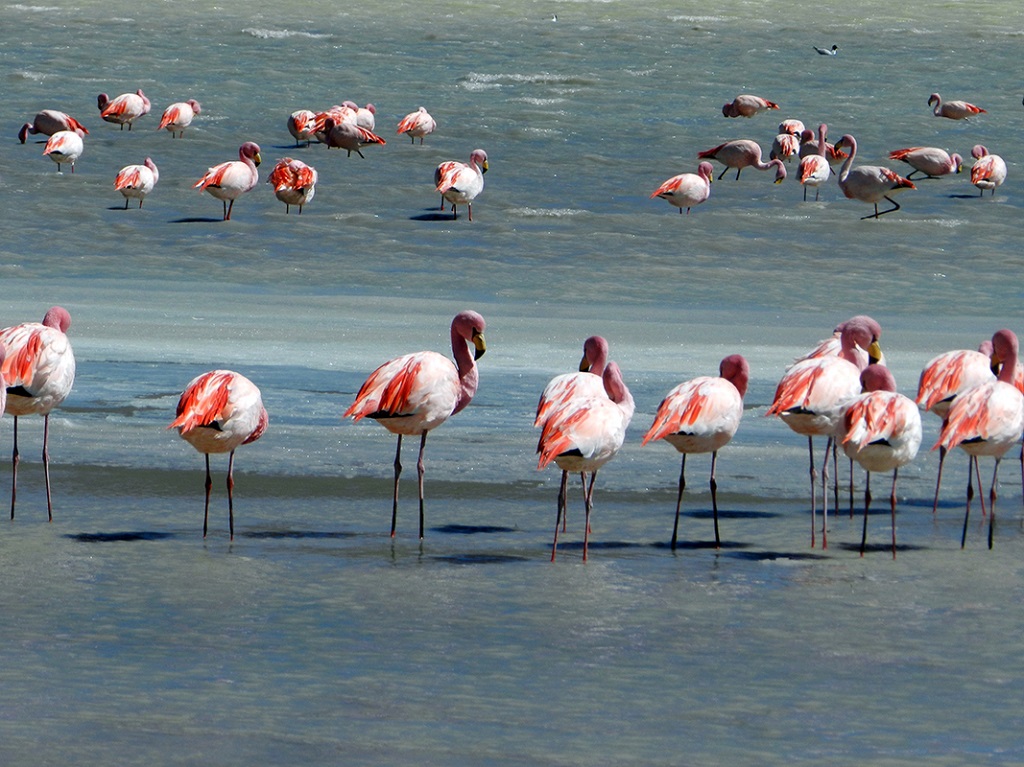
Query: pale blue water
point(315, 639)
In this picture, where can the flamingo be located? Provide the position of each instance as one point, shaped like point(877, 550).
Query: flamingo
point(300, 125)
point(124, 109)
point(812, 393)
point(50, 121)
point(137, 181)
point(814, 168)
point(869, 183)
point(179, 116)
point(701, 416)
point(880, 430)
point(418, 392)
point(294, 182)
point(38, 372)
point(217, 412)
point(417, 125)
point(784, 146)
point(809, 147)
point(460, 183)
point(987, 420)
point(230, 180)
point(583, 436)
point(954, 110)
point(687, 189)
point(929, 160)
point(988, 171)
point(365, 117)
point(64, 147)
point(348, 136)
point(746, 105)
point(792, 126)
point(740, 154)
point(827, 51)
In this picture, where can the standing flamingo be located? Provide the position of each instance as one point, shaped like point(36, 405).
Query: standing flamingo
point(740, 154)
point(217, 412)
point(929, 160)
point(814, 168)
point(417, 125)
point(784, 146)
point(179, 116)
point(460, 183)
point(294, 182)
point(137, 181)
point(583, 436)
point(987, 420)
point(349, 136)
point(809, 146)
point(301, 125)
point(869, 183)
point(880, 430)
point(366, 117)
point(230, 180)
point(418, 392)
point(50, 121)
point(701, 416)
point(988, 171)
point(124, 109)
point(687, 189)
point(38, 373)
point(954, 110)
point(64, 147)
point(746, 105)
point(792, 126)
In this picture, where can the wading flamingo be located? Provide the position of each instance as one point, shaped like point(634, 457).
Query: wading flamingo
point(137, 181)
point(743, 153)
point(460, 183)
point(64, 148)
point(814, 168)
point(301, 125)
point(124, 109)
point(294, 182)
point(348, 136)
point(988, 171)
point(417, 125)
point(230, 180)
point(869, 183)
point(179, 116)
point(746, 105)
point(929, 160)
point(687, 189)
point(954, 110)
point(50, 121)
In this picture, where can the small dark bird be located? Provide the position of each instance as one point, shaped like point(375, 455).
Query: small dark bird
point(827, 51)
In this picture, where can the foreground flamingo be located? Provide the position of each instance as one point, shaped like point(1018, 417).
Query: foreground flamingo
point(930, 160)
point(743, 153)
point(417, 125)
point(179, 116)
point(869, 183)
point(64, 148)
point(294, 182)
point(137, 181)
point(124, 109)
point(460, 183)
point(814, 168)
point(217, 412)
point(987, 420)
point(301, 125)
point(687, 189)
point(881, 430)
point(954, 110)
point(746, 105)
point(701, 416)
point(418, 392)
point(988, 171)
point(50, 121)
point(230, 180)
point(583, 436)
point(38, 372)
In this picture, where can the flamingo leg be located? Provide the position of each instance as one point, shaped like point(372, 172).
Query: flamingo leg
point(892, 511)
point(560, 518)
point(814, 479)
point(714, 498)
point(992, 502)
point(805, 193)
point(398, 473)
point(867, 505)
point(227, 216)
point(126, 203)
point(679, 501)
point(419, 478)
point(583, 484)
point(977, 474)
point(46, 466)
point(851, 492)
point(231, 495)
point(824, 495)
point(876, 214)
point(938, 480)
point(208, 485)
point(15, 459)
point(590, 507)
point(970, 495)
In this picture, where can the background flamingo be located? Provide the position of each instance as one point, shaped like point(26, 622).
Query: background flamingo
point(930, 160)
point(230, 180)
point(869, 183)
point(460, 183)
point(50, 121)
point(742, 153)
point(294, 182)
point(137, 181)
point(64, 148)
point(124, 109)
point(301, 125)
point(954, 110)
point(179, 116)
point(348, 136)
point(988, 171)
point(746, 105)
point(687, 189)
point(814, 168)
point(417, 125)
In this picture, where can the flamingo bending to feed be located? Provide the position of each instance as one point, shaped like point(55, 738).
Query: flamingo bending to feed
point(954, 110)
point(217, 412)
point(50, 121)
point(294, 182)
point(814, 168)
point(460, 183)
point(38, 373)
point(64, 147)
point(746, 105)
point(988, 171)
point(418, 392)
point(230, 180)
point(179, 116)
point(869, 183)
point(743, 153)
point(687, 189)
point(701, 416)
point(124, 109)
point(930, 160)
point(137, 181)
point(348, 136)
point(417, 125)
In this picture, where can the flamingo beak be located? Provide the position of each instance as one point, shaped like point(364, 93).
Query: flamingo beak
point(874, 353)
point(484, 167)
point(584, 365)
point(479, 343)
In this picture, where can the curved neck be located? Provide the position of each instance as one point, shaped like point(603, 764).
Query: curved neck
point(466, 365)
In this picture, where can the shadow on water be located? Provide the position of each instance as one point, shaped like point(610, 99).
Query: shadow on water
point(119, 537)
point(195, 220)
point(296, 534)
point(709, 514)
point(880, 548)
point(472, 529)
point(695, 545)
point(776, 556)
point(480, 559)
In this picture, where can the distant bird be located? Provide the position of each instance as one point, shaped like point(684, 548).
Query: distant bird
point(583, 436)
point(954, 110)
point(217, 412)
point(814, 168)
point(930, 160)
point(746, 105)
point(64, 148)
point(418, 392)
point(50, 121)
point(988, 171)
point(137, 181)
point(38, 372)
point(301, 125)
point(701, 416)
point(124, 109)
point(417, 125)
point(827, 51)
point(869, 183)
point(687, 189)
point(230, 180)
point(742, 153)
point(880, 430)
point(987, 420)
point(460, 183)
point(348, 136)
point(178, 116)
point(294, 182)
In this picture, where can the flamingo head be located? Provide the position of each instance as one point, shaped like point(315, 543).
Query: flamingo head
point(58, 317)
point(250, 150)
point(736, 370)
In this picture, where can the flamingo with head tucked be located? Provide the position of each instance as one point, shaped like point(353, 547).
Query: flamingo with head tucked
point(64, 148)
point(687, 189)
point(179, 116)
point(230, 180)
point(124, 109)
point(743, 153)
point(301, 124)
point(954, 110)
point(417, 125)
point(988, 171)
point(869, 183)
point(50, 121)
point(294, 182)
point(137, 181)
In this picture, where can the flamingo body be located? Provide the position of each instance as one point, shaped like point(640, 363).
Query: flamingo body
point(300, 124)
point(953, 110)
point(124, 109)
point(64, 148)
point(740, 154)
point(687, 189)
point(417, 125)
point(137, 181)
point(348, 136)
point(179, 116)
point(230, 180)
point(814, 168)
point(294, 182)
point(460, 183)
point(588, 382)
point(50, 121)
point(930, 160)
point(746, 105)
point(869, 183)
point(988, 171)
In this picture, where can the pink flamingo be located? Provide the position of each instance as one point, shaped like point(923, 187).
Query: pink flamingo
point(583, 436)
point(366, 117)
point(124, 109)
point(64, 147)
point(38, 372)
point(301, 125)
point(460, 183)
point(929, 160)
point(348, 136)
point(294, 182)
point(179, 116)
point(746, 105)
point(814, 168)
point(230, 180)
point(988, 171)
point(809, 147)
point(701, 416)
point(217, 412)
point(784, 146)
point(137, 181)
point(792, 127)
point(50, 121)
point(954, 110)
point(743, 153)
point(687, 189)
point(869, 183)
point(417, 125)
point(418, 392)
point(881, 430)
point(987, 420)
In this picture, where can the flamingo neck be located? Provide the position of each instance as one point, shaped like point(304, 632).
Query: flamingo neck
point(469, 377)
